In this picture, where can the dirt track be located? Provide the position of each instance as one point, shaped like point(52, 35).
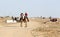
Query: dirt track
point(14, 30)
point(36, 28)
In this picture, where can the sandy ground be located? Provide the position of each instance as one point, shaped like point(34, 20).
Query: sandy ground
point(36, 28)
point(14, 30)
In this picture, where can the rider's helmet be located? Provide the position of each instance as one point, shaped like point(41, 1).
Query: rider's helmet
point(26, 14)
point(21, 14)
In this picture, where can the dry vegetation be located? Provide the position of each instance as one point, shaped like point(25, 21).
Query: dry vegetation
point(47, 28)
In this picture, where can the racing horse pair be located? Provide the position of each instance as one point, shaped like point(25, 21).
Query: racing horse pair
point(24, 18)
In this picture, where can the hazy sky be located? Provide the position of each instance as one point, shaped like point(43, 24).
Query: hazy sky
point(33, 7)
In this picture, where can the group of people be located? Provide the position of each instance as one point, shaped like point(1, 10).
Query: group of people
point(24, 18)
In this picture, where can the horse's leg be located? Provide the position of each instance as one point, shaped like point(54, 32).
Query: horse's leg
point(21, 24)
point(26, 24)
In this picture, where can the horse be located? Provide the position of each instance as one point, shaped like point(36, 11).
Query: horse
point(25, 20)
point(16, 19)
point(21, 20)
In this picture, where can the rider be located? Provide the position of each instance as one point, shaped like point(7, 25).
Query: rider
point(21, 16)
point(26, 17)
